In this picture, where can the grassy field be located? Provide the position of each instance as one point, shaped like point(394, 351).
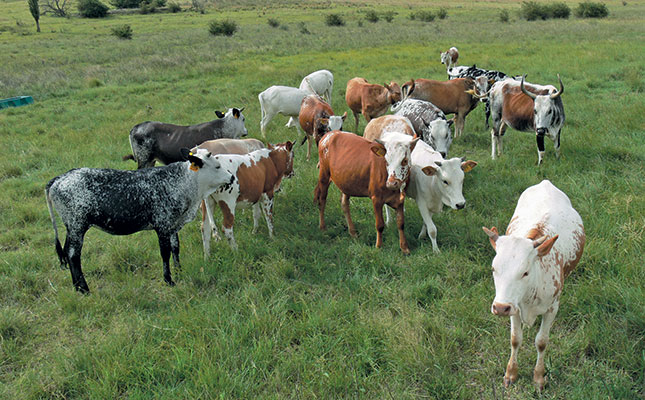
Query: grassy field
point(310, 314)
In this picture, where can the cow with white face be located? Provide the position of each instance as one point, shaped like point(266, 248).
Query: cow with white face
point(428, 121)
point(435, 182)
point(543, 244)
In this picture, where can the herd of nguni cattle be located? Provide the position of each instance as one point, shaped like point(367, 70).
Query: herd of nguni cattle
point(399, 155)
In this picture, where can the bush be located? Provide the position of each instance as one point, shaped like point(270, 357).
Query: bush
point(122, 31)
point(274, 23)
point(199, 6)
point(372, 16)
point(174, 7)
point(424, 16)
point(503, 16)
point(303, 28)
point(92, 9)
point(225, 27)
point(589, 9)
point(334, 20)
point(126, 3)
point(558, 10)
point(531, 10)
point(159, 3)
point(389, 16)
point(147, 8)
point(442, 13)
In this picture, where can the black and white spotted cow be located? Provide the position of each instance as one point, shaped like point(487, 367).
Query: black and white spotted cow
point(157, 140)
point(428, 121)
point(124, 202)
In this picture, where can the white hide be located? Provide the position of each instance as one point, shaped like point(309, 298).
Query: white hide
point(283, 100)
point(398, 147)
point(320, 82)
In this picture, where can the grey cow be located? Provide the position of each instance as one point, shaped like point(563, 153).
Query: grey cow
point(429, 123)
point(157, 140)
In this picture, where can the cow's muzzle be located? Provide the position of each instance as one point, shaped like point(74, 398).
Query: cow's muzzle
point(541, 131)
point(502, 309)
point(393, 183)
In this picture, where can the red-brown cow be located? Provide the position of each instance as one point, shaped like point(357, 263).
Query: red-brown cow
point(317, 118)
point(378, 170)
point(369, 99)
point(449, 96)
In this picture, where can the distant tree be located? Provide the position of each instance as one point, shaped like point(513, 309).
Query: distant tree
point(35, 12)
point(57, 7)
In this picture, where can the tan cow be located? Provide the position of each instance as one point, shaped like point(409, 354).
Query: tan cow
point(369, 99)
point(317, 118)
point(449, 96)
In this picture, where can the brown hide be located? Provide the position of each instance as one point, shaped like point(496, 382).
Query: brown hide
point(449, 96)
point(312, 109)
point(517, 110)
point(375, 128)
point(369, 99)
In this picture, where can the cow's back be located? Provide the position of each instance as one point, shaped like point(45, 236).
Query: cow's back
point(232, 146)
point(353, 93)
point(448, 96)
point(420, 113)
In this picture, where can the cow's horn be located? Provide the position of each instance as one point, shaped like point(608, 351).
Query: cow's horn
point(526, 92)
point(559, 92)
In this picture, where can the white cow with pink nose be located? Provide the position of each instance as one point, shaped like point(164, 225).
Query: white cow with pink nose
point(542, 245)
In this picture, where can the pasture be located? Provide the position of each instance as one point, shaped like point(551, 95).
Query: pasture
point(313, 314)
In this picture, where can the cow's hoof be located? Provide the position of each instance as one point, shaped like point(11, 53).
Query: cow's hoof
point(508, 381)
point(540, 382)
point(406, 252)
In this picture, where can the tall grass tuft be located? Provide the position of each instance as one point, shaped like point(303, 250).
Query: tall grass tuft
point(303, 28)
point(274, 23)
point(590, 9)
point(389, 16)
point(423, 16)
point(334, 20)
point(442, 13)
point(372, 16)
point(225, 27)
point(122, 31)
point(503, 16)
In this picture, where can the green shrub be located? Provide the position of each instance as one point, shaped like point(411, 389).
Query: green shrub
point(92, 9)
point(558, 10)
point(503, 16)
point(174, 7)
point(147, 8)
point(225, 27)
point(199, 6)
point(126, 3)
point(274, 23)
point(122, 31)
point(423, 15)
point(531, 10)
point(159, 3)
point(303, 28)
point(590, 9)
point(389, 16)
point(334, 20)
point(442, 13)
point(372, 16)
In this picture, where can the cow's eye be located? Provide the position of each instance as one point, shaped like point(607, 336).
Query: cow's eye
point(445, 182)
point(404, 163)
point(525, 274)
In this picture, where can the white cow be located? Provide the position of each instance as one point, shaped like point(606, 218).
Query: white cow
point(319, 82)
point(530, 266)
point(435, 182)
point(283, 100)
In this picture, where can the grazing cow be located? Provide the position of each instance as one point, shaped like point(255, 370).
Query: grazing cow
point(321, 83)
point(449, 58)
point(435, 182)
point(530, 266)
point(125, 202)
point(370, 100)
point(283, 100)
point(429, 123)
point(526, 107)
point(449, 96)
point(317, 118)
point(157, 140)
point(258, 176)
point(378, 170)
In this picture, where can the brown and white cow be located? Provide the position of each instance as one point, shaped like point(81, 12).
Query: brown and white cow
point(449, 96)
point(257, 177)
point(387, 123)
point(543, 244)
point(360, 168)
point(449, 58)
point(317, 118)
point(526, 107)
point(369, 99)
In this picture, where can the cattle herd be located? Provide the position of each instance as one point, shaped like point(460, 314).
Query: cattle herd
point(400, 155)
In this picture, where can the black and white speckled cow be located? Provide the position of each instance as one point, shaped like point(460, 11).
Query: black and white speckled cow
point(429, 123)
point(124, 202)
point(157, 140)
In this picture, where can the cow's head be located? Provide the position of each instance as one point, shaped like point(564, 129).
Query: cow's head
point(234, 122)
point(445, 57)
point(393, 92)
point(396, 148)
point(282, 156)
point(210, 173)
point(516, 270)
point(324, 125)
point(482, 85)
point(438, 135)
point(450, 178)
point(546, 109)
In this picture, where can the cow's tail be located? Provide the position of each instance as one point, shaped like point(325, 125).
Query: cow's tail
point(59, 250)
point(131, 156)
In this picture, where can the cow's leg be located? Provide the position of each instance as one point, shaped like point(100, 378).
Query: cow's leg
point(207, 228)
point(541, 340)
point(320, 193)
point(428, 224)
point(378, 216)
point(267, 209)
point(228, 211)
point(165, 248)
point(72, 248)
point(516, 342)
point(459, 124)
point(355, 121)
point(400, 223)
point(387, 216)
point(344, 202)
point(487, 112)
point(174, 248)
point(266, 118)
point(257, 213)
point(309, 140)
point(210, 209)
point(556, 144)
point(493, 143)
point(540, 146)
point(500, 138)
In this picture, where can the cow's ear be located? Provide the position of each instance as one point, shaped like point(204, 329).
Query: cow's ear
point(429, 170)
point(414, 142)
point(236, 113)
point(322, 122)
point(493, 235)
point(467, 166)
point(344, 116)
point(219, 114)
point(195, 162)
point(450, 122)
point(544, 246)
point(378, 149)
point(288, 145)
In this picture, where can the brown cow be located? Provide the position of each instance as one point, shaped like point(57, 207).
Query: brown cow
point(387, 123)
point(317, 118)
point(378, 170)
point(449, 96)
point(369, 99)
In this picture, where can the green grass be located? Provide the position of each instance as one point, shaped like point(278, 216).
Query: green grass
point(315, 314)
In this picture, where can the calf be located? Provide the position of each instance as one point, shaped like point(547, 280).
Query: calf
point(258, 176)
point(449, 58)
point(125, 202)
point(449, 96)
point(157, 140)
point(319, 82)
point(429, 123)
point(530, 266)
point(369, 99)
point(283, 100)
point(435, 182)
point(526, 108)
point(317, 118)
point(378, 170)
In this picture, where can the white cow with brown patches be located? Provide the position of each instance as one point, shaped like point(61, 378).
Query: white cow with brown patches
point(542, 245)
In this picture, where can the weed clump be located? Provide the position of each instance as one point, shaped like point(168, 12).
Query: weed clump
point(225, 27)
point(389, 16)
point(122, 31)
point(503, 16)
point(303, 28)
point(590, 9)
point(199, 6)
point(334, 20)
point(174, 8)
point(92, 9)
point(274, 23)
point(423, 16)
point(372, 16)
point(442, 13)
